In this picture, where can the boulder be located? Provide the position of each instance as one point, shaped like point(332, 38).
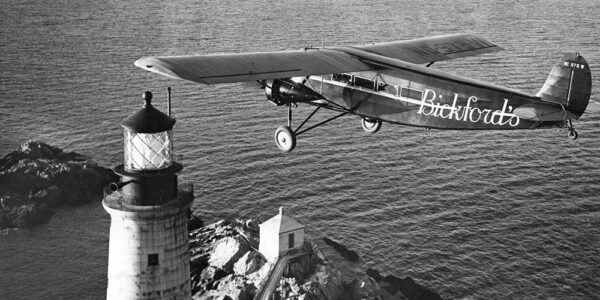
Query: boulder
point(365, 288)
point(251, 262)
point(30, 215)
point(194, 223)
point(409, 288)
point(227, 251)
point(234, 287)
point(374, 274)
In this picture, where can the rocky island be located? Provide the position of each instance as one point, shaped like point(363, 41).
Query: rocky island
point(225, 264)
point(37, 178)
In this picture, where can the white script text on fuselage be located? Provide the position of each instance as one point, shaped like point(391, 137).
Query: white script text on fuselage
point(468, 112)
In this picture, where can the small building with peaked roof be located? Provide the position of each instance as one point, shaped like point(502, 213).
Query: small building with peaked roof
point(279, 235)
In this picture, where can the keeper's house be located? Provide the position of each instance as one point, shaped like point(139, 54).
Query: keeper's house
point(279, 235)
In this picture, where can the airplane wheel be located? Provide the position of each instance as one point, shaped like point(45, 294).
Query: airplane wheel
point(573, 134)
point(369, 125)
point(285, 139)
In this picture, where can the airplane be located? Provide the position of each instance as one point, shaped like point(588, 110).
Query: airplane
point(392, 82)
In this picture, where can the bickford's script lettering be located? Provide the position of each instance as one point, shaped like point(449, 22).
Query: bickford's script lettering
point(468, 112)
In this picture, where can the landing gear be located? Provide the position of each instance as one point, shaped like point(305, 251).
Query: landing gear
point(573, 134)
point(285, 138)
point(370, 125)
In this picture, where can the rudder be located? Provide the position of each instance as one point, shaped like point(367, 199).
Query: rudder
point(569, 83)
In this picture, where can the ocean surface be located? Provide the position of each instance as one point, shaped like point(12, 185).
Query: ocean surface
point(471, 214)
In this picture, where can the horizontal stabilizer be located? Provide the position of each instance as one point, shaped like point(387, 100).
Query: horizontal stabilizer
point(544, 112)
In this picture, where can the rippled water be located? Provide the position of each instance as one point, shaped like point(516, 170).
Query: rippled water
point(471, 214)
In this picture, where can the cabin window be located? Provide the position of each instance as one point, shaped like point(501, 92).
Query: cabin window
point(364, 83)
point(153, 259)
point(345, 78)
point(410, 93)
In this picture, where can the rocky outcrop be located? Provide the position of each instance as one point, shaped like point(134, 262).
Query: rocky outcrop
point(407, 286)
point(343, 250)
point(365, 288)
point(310, 276)
point(225, 264)
point(38, 178)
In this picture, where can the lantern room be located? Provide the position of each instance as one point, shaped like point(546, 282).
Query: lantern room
point(148, 175)
point(148, 134)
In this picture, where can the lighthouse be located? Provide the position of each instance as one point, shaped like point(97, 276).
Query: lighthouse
point(148, 250)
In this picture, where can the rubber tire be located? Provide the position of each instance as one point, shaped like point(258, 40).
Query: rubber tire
point(285, 139)
point(573, 134)
point(370, 126)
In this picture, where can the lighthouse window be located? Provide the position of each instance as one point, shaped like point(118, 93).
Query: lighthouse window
point(291, 241)
point(153, 259)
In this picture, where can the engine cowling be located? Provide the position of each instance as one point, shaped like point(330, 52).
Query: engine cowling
point(286, 91)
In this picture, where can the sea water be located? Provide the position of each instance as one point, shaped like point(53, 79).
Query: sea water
point(471, 214)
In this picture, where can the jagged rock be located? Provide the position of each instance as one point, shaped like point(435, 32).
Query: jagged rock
point(208, 277)
point(365, 288)
point(30, 215)
point(52, 196)
point(227, 251)
point(232, 286)
point(251, 262)
point(43, 174)
point(343, 250)
point(194, 223)
point(374, 274)
point(409, 288)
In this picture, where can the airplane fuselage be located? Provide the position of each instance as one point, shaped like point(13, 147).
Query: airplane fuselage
point(414, 98)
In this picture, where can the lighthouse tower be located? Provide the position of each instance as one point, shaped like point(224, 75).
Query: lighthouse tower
point(148, 252)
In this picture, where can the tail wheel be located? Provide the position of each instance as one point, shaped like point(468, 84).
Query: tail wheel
point(285, 138)
point(573, 134)
point(370, 125)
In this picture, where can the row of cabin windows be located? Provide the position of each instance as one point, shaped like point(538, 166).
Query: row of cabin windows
point(377, 86)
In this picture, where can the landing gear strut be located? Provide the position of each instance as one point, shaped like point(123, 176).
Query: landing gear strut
point(285, 136)
point(572, 133)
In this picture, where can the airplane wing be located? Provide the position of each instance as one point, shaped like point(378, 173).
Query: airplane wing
point(223, 68)
point(431, 49)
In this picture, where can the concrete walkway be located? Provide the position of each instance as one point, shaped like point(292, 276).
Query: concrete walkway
point(267, 290)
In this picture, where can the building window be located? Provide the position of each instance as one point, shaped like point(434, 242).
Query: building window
point(291, 241)
point(153, 259)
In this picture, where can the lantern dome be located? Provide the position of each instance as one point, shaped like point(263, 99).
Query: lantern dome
point(148, 119)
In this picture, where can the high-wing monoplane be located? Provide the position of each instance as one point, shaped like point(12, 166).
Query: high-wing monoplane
point(389, 82)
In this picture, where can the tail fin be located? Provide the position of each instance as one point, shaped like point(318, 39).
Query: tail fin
point(569, 84)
